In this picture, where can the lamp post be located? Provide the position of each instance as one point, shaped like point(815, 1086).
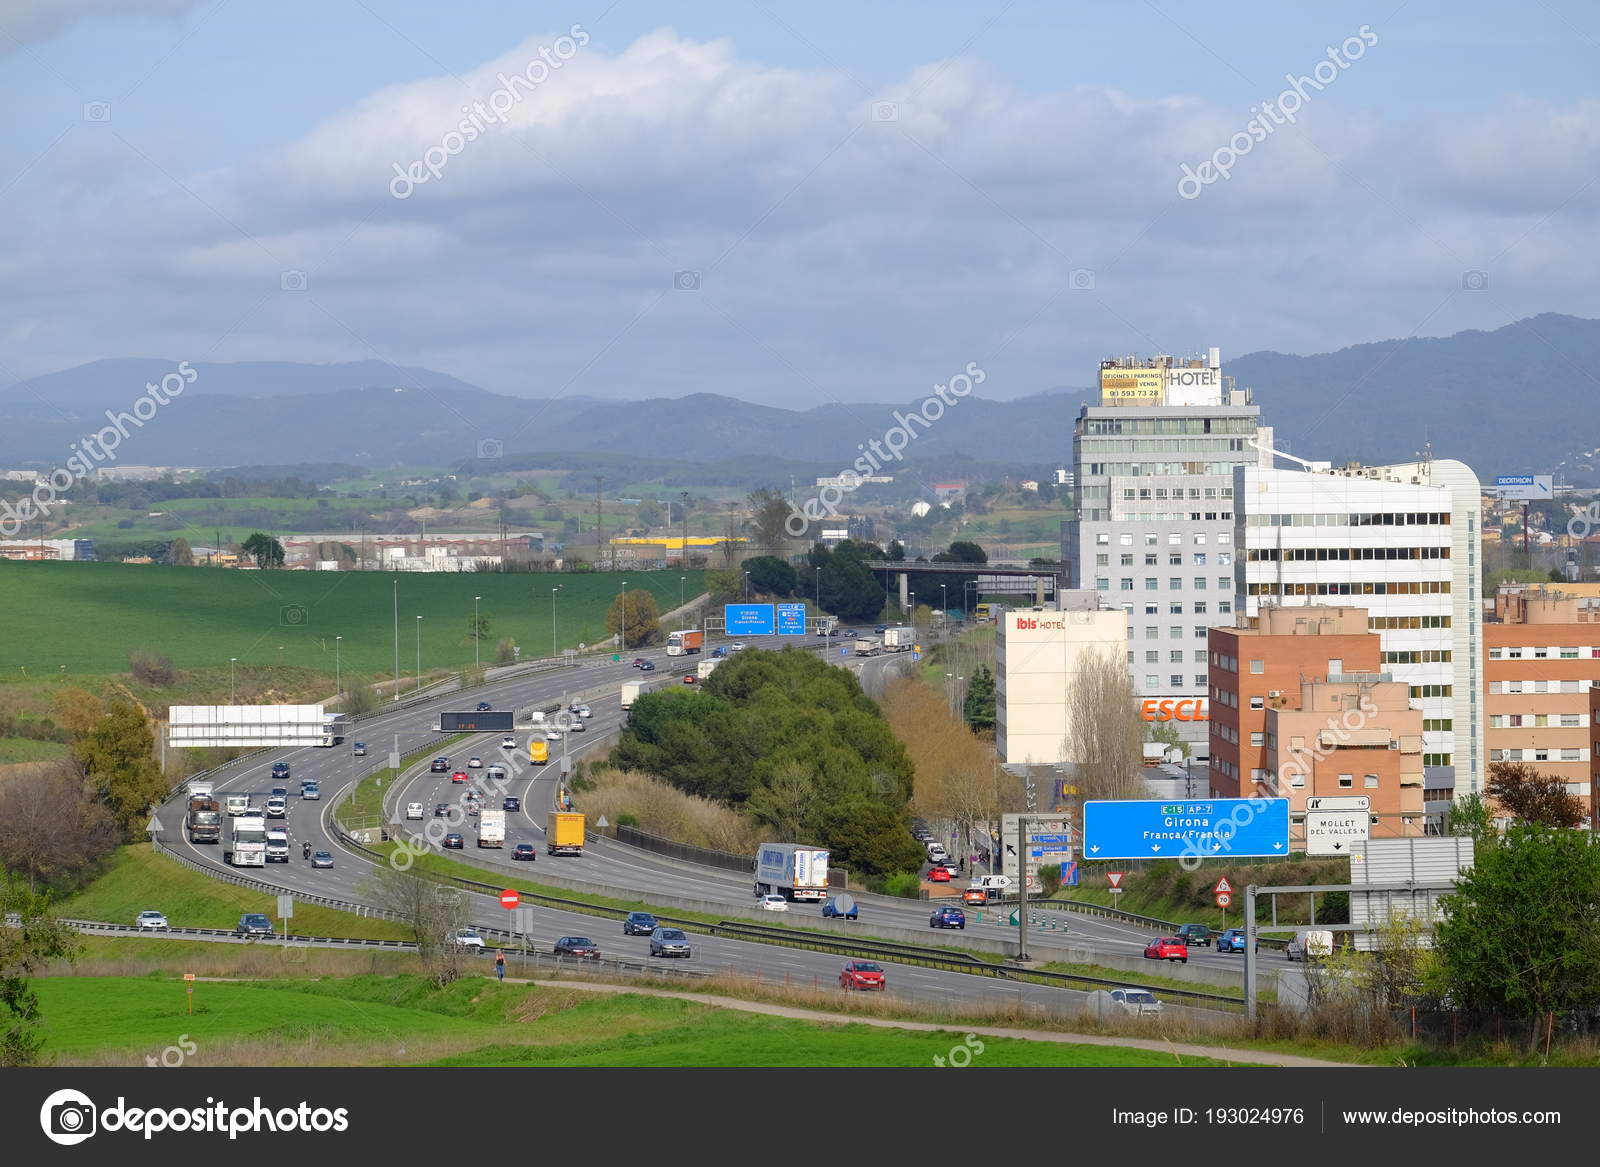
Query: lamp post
point(913, 596)
point(623, 616)
point(747, 587)
point(397, 640)
point(419, 652)
point(819, 589)
point(476, 633)
point(232, 660)
point(553, 592)
point(681, 580)
point(338, 686)
point(944, 592)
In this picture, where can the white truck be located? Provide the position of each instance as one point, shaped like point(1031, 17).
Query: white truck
point(792, 870)
point(249, 843)
point(899, 639)
point(492, 828)
point(202, 789)
point(237, 805)
point(630, 692)
point(706, 667)
point(277, 845)
point(866, 646)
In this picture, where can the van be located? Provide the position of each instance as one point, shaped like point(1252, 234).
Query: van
point(1309, 943)
point(238, 804)
point(937, 853)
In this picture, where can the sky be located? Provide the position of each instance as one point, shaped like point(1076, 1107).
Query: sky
point(791, 204)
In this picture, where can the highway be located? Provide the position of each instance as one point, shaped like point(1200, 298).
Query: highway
point(605, 862)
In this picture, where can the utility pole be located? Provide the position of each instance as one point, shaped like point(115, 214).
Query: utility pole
point(599, 517)
point(683, 513)
point(397, 640)
point(1022, 889)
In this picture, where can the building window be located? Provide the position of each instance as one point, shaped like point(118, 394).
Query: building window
point(1126, 539)
point(1151, 585)
point(1258, 739)
point(1151, 609)
point(1200, 559)
point(1102, 561)
point(1102, 583)
point(1151, 656)
point(1200, 656)
point(1126, 583)
point(1371, 781)
point(1200, 540)
point(1151, 631)
point(1199, 583)
point(1225, 537)
point(1177, 680)
point(1200, 608)
point(1225, 607)
point(1175, 609)
point(1151, 681)
point(1174, 561)
point(1571, 755)
point(1150, 540)
point(1541, 755)
point(1513, 654)
point(1224, 559)
point(1258, 666)
point(1496, 653)
point(1130, 656)
point(1258, 703)
point(1102, 539)
point(1346, 781)
point(1297, 778)
point(1125, 560)
point(1224, 582)
point(1175, 540)
point(1569, 654)
point(1150, 559)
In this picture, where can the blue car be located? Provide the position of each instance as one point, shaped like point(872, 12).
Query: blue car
point(948, 918)
point(484, 707)
point(719, 651)
point(1233, 941)
point(831, 910)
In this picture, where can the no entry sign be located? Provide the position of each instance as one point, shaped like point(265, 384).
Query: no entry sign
point(509, 900)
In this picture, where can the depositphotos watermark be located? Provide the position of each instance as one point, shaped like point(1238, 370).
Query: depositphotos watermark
point(501, 101)
point(100, 447)
point(879, 452)
point(1272, 114)
point(69, 1117)
point(174, 1055)
point(960, 1056)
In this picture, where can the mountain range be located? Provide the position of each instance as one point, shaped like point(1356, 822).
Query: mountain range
point(1519, 399)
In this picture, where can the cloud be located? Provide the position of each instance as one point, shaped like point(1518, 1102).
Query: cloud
point(27, 21)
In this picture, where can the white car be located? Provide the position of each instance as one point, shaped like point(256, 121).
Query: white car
point(413, 810)
point(151, 920)
point(467, 938)
point(509, 742)
point(474, 763)
point(577, 726)
point(1138, 1002)
point(552, 734)
point(774, 903)
point(736, 646)
point(584, 711)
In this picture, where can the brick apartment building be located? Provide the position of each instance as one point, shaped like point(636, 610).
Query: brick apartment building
point(1300, 706)
point(1543, 680)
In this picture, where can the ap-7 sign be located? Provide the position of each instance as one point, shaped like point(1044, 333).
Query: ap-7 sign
point(1162, 829)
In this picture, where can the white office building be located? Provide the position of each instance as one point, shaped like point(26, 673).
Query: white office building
point(1153, 482)
point(1401, 541)
point(1038, 654)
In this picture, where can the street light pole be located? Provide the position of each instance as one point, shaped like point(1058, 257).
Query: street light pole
point(553, 592)
point(623, 619)
point(476, 633)
point(338, 686)
point(681, 580)
point(232, 660)
point(747, 587)
point(397, 640)
point(419, 652)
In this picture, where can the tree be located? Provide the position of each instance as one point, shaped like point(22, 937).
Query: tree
point(360, 699)
point(179, 553)
point(432, 912)
point(769, 512)
point(635, 617)
point(786, 801)
point(978, 709)
point(771, 576)
point(150, 667)
point(1165, 733)
point(478, 626)
point(1521, 933)
point(264, 549)
point(725, 587)
point(51, 832)
point(1105, 732)
point(36, 939)
point(897, 552)
point(1531, 797)
point(117, 763)
point(849, 589)
point(1468, 816)
point(505, 651)
point(78, 710)
point(651, 514)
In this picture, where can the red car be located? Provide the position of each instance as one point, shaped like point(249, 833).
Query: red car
point(1167, 948)
point(861, 974)
point(939, 874)
point(975, 895)
point(460, 776)
point(689, 679)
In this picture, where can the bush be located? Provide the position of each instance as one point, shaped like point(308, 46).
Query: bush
point(627, 820)
point(1050, 879)
point(504, 652)
point(903, 883)
point(151, 668)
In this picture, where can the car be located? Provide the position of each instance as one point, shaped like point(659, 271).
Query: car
point(948, 918)
point(719, 651)
point(669, 942)
point(497, 773)
point(279, 792)
point(277, 807)
point(253, 924)
point(689, 678)
point(861, 974)
point(879, 629)
point(832, 910)
point(577, 726)
point(639, 661)
point(453, 841)
point(525, 851)
point(359, 750)
point(459, 776)
point(1139, 1002)
point(1308, 942)
point(280, 769)
point(511, 802)
point(310, 792)
point(466, 938)
point(1167, 948)
point(552, 734)
point(736, 646)
point(647, 667)
point(577, 946)
point(321, 859)
point(413, 810)
point(639, 924)
point(441, 809)
point(470, 808)
point(474, 763)
point(509, 742)
point(774, 903)
point(850, 632)
point(939, 873)
point(1233, 941)
point(439, 766)
point(151, 919)
point(975, 895)
point(484, 707)
point(1195, 935)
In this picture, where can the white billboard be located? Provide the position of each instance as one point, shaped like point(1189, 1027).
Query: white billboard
point(1049, 844)
point(1194, 386)
point(252, 725)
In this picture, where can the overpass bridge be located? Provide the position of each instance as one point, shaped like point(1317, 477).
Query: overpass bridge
point(1055, 573)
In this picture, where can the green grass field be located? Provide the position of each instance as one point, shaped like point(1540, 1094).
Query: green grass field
point(474, 1022)
point(140, 879)
point(21, 749)
point(88, 616)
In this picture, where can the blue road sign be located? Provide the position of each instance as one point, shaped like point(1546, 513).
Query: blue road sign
point(791, 619)
point(748, 619)
point(1172, 828)
point(1069, 874)
point(916, 656)
point(844, 652)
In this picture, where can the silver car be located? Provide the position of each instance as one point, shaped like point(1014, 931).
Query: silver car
point(669, 942)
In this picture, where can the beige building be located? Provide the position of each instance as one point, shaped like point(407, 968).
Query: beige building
point(1038, 654)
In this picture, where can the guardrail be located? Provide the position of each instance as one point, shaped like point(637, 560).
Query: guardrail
point(705, 856)
point(1090, 909)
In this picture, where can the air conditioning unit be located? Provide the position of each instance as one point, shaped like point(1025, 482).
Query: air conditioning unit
point(1394, 743)
point(1274, 692)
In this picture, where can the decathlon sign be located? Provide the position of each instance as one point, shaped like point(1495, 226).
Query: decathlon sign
point(1175, 709)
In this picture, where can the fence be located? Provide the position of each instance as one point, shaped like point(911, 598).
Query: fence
point(705, 856)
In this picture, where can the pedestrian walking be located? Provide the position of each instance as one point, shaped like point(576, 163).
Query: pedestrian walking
point(500, 964)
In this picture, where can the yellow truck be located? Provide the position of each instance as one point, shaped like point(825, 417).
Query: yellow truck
point(563, 833)
point(538, 751)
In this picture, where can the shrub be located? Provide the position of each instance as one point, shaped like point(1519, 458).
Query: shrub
point(903, 883)
point(150, 667)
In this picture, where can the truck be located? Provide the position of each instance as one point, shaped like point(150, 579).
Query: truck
point(277, 845)
point(866, 646)
point(202, 789)
point(899, 639)
point(249, 842)
point(630, 692)
point(538, 751)
point(204, 818)
point(563, 833)
point(492, 828)
point(827, 626)
point(706, 667)
point(685, 642)
point(792, 870)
